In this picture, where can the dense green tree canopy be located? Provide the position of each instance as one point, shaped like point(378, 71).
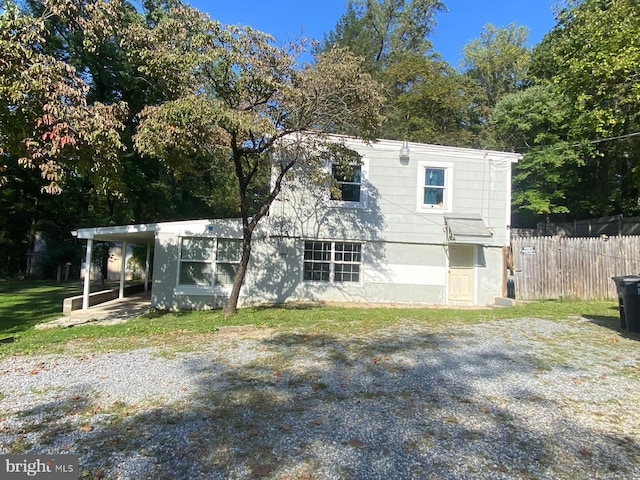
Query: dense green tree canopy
point(426, 99)
point(381, 30)
point(98, 175)
point(592, 57)
point(497, 62)
point(537, 121)
point(428, 102)
point(46, 120)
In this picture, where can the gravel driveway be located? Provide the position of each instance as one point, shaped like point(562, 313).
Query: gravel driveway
point(515, 399)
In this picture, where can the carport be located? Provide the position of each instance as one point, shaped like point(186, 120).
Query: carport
point(143, 234)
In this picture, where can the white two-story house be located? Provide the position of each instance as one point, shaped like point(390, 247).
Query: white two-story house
point(413, 224)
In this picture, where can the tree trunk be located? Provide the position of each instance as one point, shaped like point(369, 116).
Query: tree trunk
point(231, 307)
point(248, 227)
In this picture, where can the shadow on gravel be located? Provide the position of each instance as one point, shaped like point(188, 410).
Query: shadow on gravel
point(396, 405)
point(612, 323)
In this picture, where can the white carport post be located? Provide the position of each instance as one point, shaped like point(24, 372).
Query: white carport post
point(87, 274)
point(123, 265)
point(146, 268)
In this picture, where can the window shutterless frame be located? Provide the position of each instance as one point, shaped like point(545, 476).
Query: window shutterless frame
point(332, 262)
point(208, 261)
point(195, 265)
point(349, 179)
point(434, 191)
point(352, 183)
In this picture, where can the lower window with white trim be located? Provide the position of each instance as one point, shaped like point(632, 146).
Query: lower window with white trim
point(326, 261)
point(208, 261)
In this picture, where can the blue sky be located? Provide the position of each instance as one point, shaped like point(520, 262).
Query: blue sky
point(288, 19)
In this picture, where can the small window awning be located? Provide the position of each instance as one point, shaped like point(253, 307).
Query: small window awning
point(467, 229)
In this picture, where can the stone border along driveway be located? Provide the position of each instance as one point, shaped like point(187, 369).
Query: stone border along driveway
point(515, 399)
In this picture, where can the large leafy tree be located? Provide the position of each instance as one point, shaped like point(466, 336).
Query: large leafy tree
point(46, 119)
point(540, 123)
point(139, 189)
point(66, 65)
point(592, 56)
point(496, 64)
point(427, 100)
point(53, 135)
point(238, 98)
point(380, 30)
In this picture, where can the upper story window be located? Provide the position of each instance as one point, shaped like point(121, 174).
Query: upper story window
point(434, 186)
point(348, 179)
point(208, 261)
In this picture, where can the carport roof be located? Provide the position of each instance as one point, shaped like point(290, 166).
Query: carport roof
point(143, 233)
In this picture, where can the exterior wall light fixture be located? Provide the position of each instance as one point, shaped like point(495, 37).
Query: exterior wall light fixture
point(405, 153)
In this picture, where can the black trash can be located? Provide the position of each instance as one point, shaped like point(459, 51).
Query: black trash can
point(629, 301)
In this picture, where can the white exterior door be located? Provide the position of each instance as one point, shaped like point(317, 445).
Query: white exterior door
point(461, 273)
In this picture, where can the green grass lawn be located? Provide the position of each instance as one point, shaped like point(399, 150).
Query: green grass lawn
point(23, 304)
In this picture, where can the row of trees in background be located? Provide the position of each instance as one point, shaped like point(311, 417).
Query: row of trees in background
point(577, 119)
point(114, 112)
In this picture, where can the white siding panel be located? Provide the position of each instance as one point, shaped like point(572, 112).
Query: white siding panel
point(407, 275)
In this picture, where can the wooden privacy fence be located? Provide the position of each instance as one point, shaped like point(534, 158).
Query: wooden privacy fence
point(555, 267)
